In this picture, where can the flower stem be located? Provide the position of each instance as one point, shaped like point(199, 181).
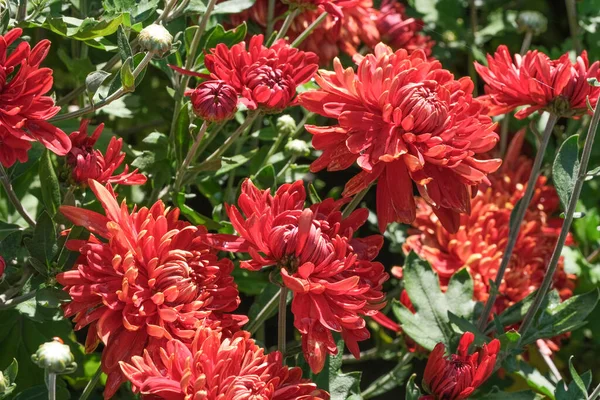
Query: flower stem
point(309, 29)
point(286, 24)
point(281, 320)
point(564, 232)
point(12, 196)
point(595, 393)
point(242, 128)
point(51, 384)
point(573, 24)
point(104, 102)
point(22, 11)
point(526, 42)
point(355, 202)
point(17, 300)
point(189, 157)
point(286, 166)
point(262, 316)
point(473, 20)
point(189, 63)
point(91, 384)
point(270, 18)
point(546, 354)
point(515, 227)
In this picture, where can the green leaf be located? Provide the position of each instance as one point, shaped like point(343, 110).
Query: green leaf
point(496, 394)
point(182, 133)
point(513, 314)
point(123, 42)
point(233, 6)
point(534, 378)
point(265, 177)
point(313, 195)
point(42, 246)
point(194, 217)
point(557, 318)
point(11, 371)
point(592, 174)
point(127, 78)
point(344, 385)
point(430, 324)
point(565, 169)
point(465, 325)
point(574, 391)
point(230, 163)
point(93, 82)
point(6, 229)
point(51, 297)
point(577, 379)
point(412, 389)
point(394, 378)
point(140, 10)
point(49, 183)
point(218, 34)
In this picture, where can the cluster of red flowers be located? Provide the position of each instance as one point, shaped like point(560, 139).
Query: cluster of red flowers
point(479, 243)
point(24, 110)
point(331, 273)
point(354, 23)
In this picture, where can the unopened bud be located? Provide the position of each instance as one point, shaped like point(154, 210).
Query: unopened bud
point(532, 21)
point(214, 101)
point(156, 38)
point(55, 357)
point(298, 148)
point(286, 125)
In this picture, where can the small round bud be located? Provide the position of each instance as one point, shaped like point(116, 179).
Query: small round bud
point(4, 383)
point(214, 101)
point(155, 38)
point(532, 21)
point(298, 148)
point(55, 357)
point(2, 268)
point(286, 125)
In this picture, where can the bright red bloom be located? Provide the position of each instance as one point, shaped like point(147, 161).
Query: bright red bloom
point(403, 119)
point(536, 81)
point(152, 279)
point(213, 101)
point(333, 7)
point(331, 274)
point(345, 33)
point(87, 163)
point(24, 109)
point(217, 369)
point(265, 77)
point(479, 243)
point(456, 377)
point(2, 267)
point(400, 31)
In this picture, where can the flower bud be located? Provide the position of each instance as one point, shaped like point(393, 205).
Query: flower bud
point(2, 267)
point(214, 101)
point(298, 148)
point(286, 125)
point(532, 21)
point(4, 383)
point(55, 357)
point(156, 38)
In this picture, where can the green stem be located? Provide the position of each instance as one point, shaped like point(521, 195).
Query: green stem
point(102, 103)
point(273, 149)
point(309, 29)
point(264, 314)
point(286, 24)
point(286, 166)
point(515, 227)
point(91, 384)
point(241, 129)
point(22, 11)
point(189, 157)
point(281, 320)
point(355, 202)
point(564, 232)
point(473, 18)
point(270, 18)
point(573, 24)
point(595, 393)
point(12, 196)
point(17, 300)
point(51, 386)
point(526, 42)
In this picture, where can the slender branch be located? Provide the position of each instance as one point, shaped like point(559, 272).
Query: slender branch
point(91, 384)
point(189, 157)
point(526, 42)
point(281, 320)
point(595, 393)
point(516, 222)
point(12, 196)
point(473, 20)
point(286, 24)
point(546, 354)
point(189, 63)
point(355, 202)
point(309, 29)
point(564, 232)
point(51, 386)
point(271, 306)
point(573, 24)
point(22, 11)
point(286, 166)
point(104, 102)
point(17, 300)
point(270, 18)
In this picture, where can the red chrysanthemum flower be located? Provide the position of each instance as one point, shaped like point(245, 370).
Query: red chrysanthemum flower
point(400, 31)
point(87, 163)
point(2, 267)
point(333, 7)
point(403, 119)
point(331, 274)
point(481, 238)
point(345, 33)
point(456, 377)
point(217, 369)
point(24, 110)
point(265, 77)
point(213, 101)
point(536, 81)
point(152, 279)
